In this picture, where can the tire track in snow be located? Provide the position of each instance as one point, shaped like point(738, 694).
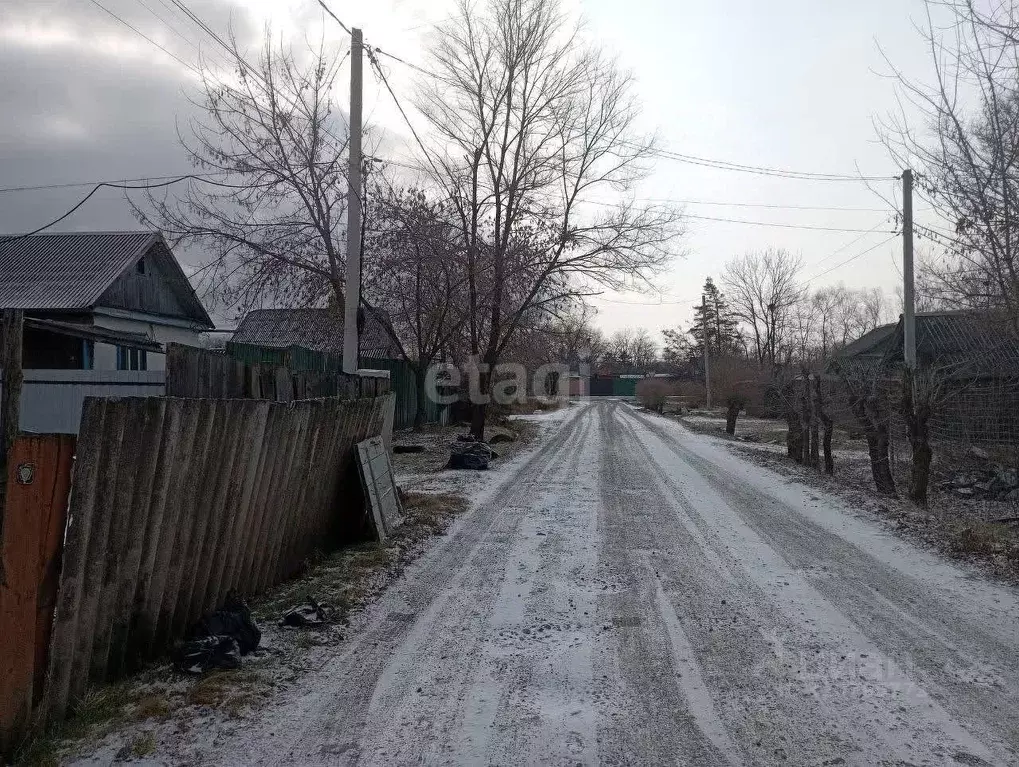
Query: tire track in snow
point(902, 618)
point(424, 694)
point(656, 723)
point(726, 619)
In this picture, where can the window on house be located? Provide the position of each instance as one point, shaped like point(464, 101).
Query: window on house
point(132, 359)
point(141, 266)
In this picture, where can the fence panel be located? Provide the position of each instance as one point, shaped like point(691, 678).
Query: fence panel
point(173, 502)
point(34, 530)
point(199, 373)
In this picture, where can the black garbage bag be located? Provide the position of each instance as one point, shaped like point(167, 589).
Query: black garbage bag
point(196, 656)
point(219, 639)
point(469, 453)
point(309, 613)
point(234, 620)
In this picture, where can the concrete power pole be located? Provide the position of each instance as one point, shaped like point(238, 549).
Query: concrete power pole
point(352, 288)
point(908, 299)
point(704, 340)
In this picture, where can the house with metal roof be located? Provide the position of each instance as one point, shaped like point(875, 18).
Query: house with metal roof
point(959, 344)
point(284, 336)
point(99, 300)
point(975, 357)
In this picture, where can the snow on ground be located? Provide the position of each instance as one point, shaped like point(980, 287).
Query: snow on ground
point(626, 591)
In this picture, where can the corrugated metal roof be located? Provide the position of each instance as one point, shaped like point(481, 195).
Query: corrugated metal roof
point(962, 343)
point(65, 271)
point(870, 343)
point(318, 329)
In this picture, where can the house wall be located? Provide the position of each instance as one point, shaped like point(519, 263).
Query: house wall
point(160, 329)
point(51, 400)
point(148, 291)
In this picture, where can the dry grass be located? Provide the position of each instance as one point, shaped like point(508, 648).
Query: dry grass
point(143, 745)
point(154, 706)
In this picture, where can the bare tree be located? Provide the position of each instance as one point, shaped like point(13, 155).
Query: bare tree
point(763, 290)
point(272, 215)
point(868, 403)
point(414, 271)
point(532, 126)
point(967, 151)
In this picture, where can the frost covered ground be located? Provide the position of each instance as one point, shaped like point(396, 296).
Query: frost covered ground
point(631, 592)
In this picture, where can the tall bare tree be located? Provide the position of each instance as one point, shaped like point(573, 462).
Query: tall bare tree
point(763, 289)
point(966, 148)
point(272, 216)
point(534, 129)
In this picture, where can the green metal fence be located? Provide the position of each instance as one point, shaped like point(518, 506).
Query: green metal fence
point(404, 385)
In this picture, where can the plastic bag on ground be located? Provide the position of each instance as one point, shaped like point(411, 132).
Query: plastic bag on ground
point(309, 613)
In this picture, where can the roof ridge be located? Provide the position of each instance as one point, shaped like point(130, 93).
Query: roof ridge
point(86, 233)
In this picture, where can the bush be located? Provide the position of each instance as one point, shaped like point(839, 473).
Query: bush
point(652, 393)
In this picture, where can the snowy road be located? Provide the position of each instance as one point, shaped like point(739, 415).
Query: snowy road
point(638, 595)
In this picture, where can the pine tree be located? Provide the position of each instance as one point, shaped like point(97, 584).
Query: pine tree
point(724, 336)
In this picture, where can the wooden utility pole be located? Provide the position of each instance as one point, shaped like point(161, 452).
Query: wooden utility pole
point(704, 340)
point(352, 289)
point(908, 299)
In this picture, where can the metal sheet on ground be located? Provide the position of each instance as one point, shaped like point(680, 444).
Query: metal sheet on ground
point(379, 486)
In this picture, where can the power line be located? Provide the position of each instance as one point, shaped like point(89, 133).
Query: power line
point(755, 169)
point(776, 225)
point(146, 37)
point(749, 222)
point(377, 68)
point(168, 25)
point(328, 10)
point(851, 259)
point(114, 185)
point(73, 184)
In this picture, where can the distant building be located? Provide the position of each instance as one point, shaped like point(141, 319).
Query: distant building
point(975, 357)
point(283, 336)
point(99, 300)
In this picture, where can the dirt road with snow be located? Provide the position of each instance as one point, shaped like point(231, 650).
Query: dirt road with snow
point(636, 594)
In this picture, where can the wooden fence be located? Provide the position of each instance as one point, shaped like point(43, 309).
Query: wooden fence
point(199, 373)
point(38, 481)
point(174, 502)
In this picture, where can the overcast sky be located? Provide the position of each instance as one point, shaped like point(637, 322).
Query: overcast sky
point(790, 84)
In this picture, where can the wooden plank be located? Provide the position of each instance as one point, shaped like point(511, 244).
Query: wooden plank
point(159, 534)
point(212, 509)
point(82, 501)
point(94, 581)
point(244, 573)
point(193, 519)
point(255, 415)
point(135, 465)
point(54, 517)
point(137, 532)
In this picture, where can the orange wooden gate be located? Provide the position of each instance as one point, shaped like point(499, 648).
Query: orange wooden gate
point(38, 481)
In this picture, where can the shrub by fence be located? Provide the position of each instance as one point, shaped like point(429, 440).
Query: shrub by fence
point(174, 502)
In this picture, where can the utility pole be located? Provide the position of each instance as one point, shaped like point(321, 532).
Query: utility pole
point(352, 288)
point(704, 340)
point(908, 309)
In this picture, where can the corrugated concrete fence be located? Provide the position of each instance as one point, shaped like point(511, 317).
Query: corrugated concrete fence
point(174, 502)
point(194, 372)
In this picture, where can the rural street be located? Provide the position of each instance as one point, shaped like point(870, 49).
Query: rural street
point(636, 594)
